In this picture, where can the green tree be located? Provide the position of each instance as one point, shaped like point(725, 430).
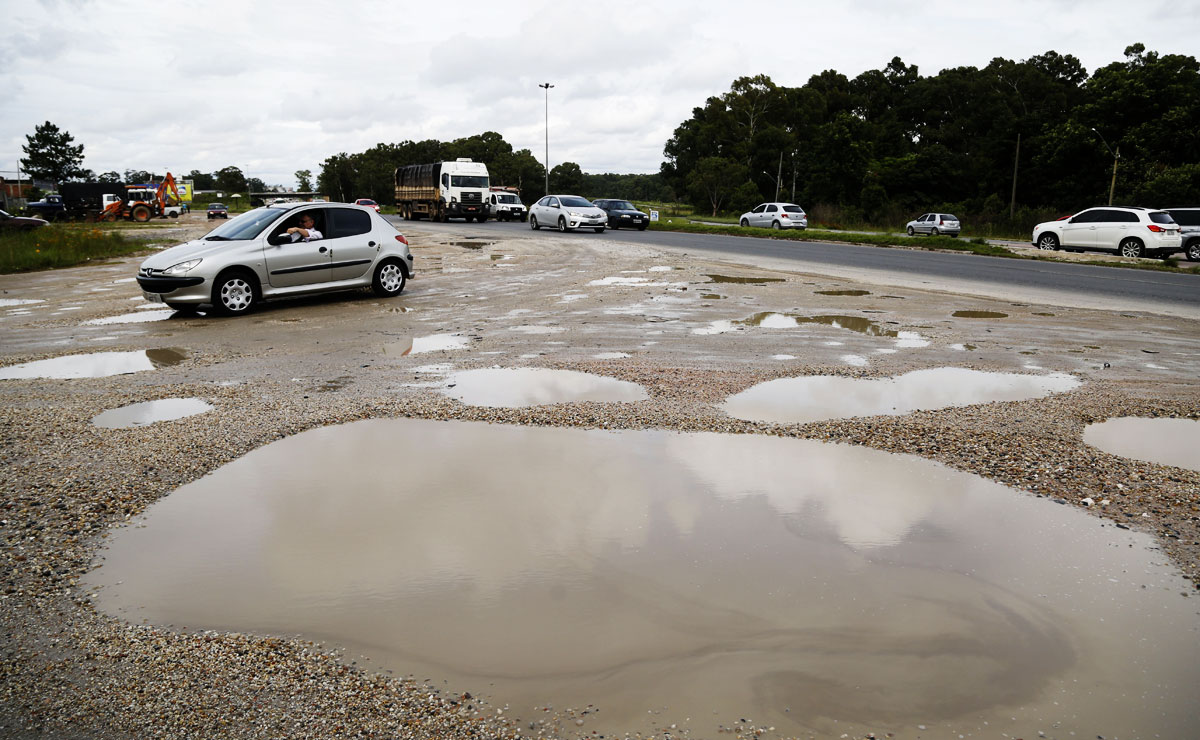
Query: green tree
point(201, 180)
point(49, 154)
point(304, 180)
point(567, 178)
point(230, 180)
point(714, 180)
point(109, 177)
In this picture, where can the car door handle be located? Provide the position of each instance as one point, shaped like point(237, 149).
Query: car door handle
point(323, 250)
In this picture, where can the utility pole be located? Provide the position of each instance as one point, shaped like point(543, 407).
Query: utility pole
point(1012, 204)
point(1116, 158)
point(778, 176)
point(546, 86)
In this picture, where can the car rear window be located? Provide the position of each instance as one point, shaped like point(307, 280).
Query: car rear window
point(793, 209)
point(1162, 217)
point(949, 217)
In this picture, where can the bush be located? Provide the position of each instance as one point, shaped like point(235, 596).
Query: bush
point(61, 245)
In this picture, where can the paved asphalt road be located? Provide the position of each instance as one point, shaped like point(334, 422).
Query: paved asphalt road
point(1091, 286)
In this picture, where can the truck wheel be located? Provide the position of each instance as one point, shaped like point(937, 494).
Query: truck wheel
point(141, 214)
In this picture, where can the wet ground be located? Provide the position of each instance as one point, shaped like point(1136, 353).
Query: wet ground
point(689, 334)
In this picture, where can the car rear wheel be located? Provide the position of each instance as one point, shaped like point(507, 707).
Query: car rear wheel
point(235, 293)
point(744, 223)
point(1047, 242)
point(562, 224)
point(934, 231)
point(1131, 248)
point(910, 231)
point(1193, 250)
point(533, 224)
point(388, 280)
point(775, 225)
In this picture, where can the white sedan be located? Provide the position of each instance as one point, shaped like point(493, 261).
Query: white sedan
point(567, 212)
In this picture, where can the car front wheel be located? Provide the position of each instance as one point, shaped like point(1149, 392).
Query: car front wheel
point(1047, 242)
point(533, 224)
point(234, 293)
point(388, 280)
point(562, 224)
point(1131, 248)
point(910, 231)
point(744, 223)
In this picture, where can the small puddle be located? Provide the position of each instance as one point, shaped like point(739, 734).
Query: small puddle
point(979, 315)
point(141, 317)
point(669, 579)
point(1163, 441)
point(743, 280)
point(843, 292)
point(433, 343)
point(95, 365)
point(821, 397)
point(533, 386)
point(471, 245)
point(852, 323)
point(335, 384)
point(149, 412)
point(712, 296)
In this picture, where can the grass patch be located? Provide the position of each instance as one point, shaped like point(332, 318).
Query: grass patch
point(60, 245)
point(976, 246)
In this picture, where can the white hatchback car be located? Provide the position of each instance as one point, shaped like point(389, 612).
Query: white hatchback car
point(1130, 232)
point(566, 212)
point(252, 258)
point(934, 224)
point(775, 216)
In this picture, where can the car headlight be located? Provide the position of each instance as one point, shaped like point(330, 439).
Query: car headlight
point(577, 214)
point(180, 268)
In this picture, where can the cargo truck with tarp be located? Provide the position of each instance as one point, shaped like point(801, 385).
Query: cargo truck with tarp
point(443, 190)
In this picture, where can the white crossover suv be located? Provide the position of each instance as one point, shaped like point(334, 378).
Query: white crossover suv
point(1130, 232)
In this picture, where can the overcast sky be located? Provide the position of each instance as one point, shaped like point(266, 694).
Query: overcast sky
point(275, 87)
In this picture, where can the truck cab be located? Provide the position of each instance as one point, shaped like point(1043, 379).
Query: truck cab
point(464, 188)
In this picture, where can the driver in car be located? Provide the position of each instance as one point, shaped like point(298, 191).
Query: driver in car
point(306, 231)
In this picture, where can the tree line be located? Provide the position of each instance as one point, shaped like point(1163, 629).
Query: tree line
point(993, 143)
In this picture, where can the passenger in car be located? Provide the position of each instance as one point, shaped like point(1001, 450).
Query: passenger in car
point(306, 231)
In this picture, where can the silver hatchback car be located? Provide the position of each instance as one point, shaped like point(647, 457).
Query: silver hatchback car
point(255, 257)
point(934, 224)
point(775, 216)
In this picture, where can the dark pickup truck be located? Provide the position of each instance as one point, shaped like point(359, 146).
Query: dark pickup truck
point(76, 200)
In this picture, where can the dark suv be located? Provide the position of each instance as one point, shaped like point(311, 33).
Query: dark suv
point(1189, 226)
point(622, 213)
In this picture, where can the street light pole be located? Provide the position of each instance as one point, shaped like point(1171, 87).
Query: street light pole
point(546, 87)
point(1116, 158)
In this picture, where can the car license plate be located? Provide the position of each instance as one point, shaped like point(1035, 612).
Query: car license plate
point(152, 297)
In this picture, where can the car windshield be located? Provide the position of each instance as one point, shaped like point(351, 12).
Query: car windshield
point(469, 181)
point(575, 201)
point(366, 202)
point(621, 205)
point(507, 199)
point(1161, 217)
point(216, 206)
point(246, 226)
point(793, 209)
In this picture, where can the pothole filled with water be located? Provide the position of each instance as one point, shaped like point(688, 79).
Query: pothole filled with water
point(1162, 441)
point(95, 364)
point(535, 386)
point(979, 315)
point(821, 397)
point(667, 578)
point(742, 280)
point(150, 412)
point(771, 319)
point(843, 292)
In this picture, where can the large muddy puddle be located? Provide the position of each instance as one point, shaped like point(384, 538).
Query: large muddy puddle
point(95, 364)
point(1164, 441)
point(532, 386)
point(821, 397)
point(688, 580)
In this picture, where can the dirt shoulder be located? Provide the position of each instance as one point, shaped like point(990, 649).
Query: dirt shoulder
point(678, 325)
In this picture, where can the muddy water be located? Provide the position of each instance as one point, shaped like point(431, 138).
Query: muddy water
point(95, 364)
point(1163, 441)
point(689, 579)
point(150, 412)
point(514, 387)
point(820, 397)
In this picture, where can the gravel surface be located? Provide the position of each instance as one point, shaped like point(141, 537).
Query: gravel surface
point(529, 300)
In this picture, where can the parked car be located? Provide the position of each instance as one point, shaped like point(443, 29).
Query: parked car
point(368, 203)
point(1189, 229)
point(252, 258)
point(1127, 231)
point(566, 212)
point(20, 223)
point(934, 224)
point(217, 210)
point(775, 216)
point(622, 213)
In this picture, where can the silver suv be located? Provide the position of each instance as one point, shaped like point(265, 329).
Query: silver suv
point(1189, 225)
point(254, 257)
point(1127, 231)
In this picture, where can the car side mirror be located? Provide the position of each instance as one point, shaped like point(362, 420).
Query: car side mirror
point(279, 239)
